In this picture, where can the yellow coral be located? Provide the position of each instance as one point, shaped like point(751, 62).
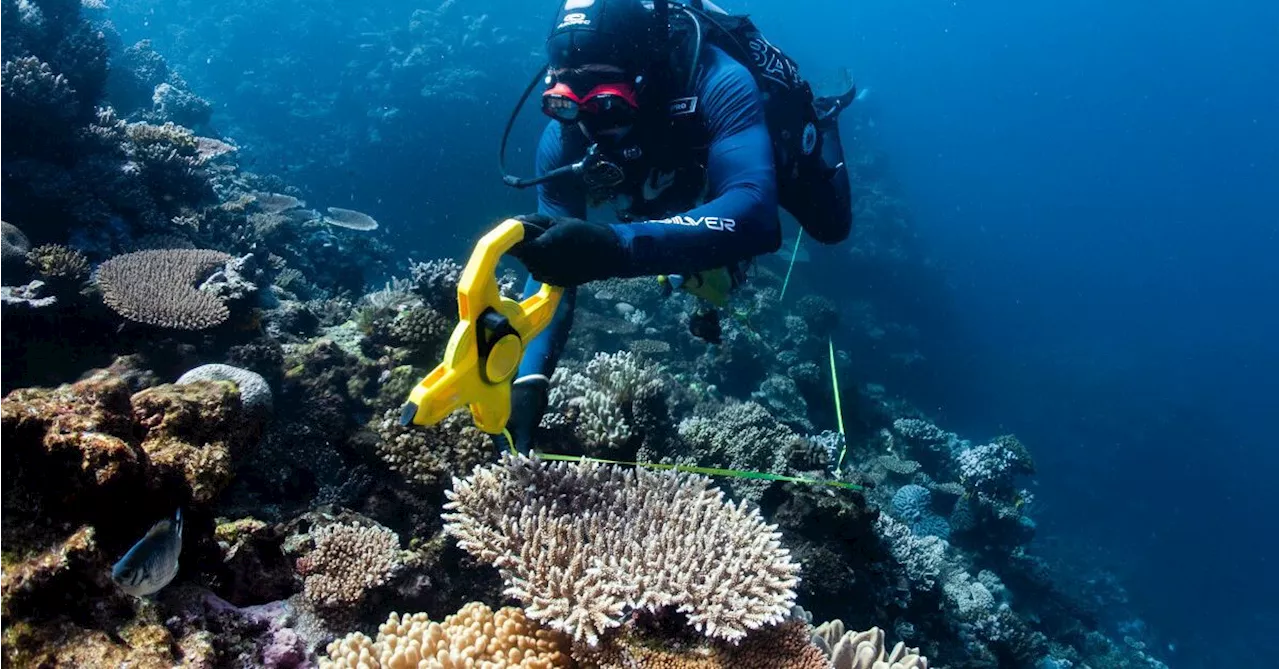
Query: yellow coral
point(475, 636)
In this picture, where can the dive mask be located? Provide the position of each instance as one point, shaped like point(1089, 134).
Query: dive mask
point(605, 105)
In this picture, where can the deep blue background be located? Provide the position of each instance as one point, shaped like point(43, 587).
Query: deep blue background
point(1096, 177)
point(1099, 179)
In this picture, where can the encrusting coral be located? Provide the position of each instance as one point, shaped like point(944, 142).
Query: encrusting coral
point(475, 636)
point(190, 431)
point(583, 544)
point(158, 287)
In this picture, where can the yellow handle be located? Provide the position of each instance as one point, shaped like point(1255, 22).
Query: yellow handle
point(465, 376)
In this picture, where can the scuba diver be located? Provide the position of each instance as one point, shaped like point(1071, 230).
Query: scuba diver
point(694, 129)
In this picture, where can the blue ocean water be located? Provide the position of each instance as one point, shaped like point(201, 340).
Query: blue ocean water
point(1092, 179)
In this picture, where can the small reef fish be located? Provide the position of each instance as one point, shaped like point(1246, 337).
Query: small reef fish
point(152, 562)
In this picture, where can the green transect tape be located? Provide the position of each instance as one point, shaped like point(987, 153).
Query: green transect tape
point(794, 252)
point(709, 471)
point(835, 390)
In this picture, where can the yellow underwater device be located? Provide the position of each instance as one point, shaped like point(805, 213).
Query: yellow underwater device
point(487, 344)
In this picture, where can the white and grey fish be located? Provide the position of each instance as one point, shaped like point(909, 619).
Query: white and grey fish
point(152, 562)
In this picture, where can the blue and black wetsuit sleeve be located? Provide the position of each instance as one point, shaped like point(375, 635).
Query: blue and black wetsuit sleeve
point(558, 197)
point(739, 220)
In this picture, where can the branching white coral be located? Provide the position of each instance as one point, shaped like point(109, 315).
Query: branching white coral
point(581, 544)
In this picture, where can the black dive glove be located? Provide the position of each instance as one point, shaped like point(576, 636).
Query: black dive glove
point(564, 251)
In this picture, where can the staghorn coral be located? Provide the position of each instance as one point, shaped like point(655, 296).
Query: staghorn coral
point(601, 405)
point(431, 455)
point(475, 636)
point(158, 287)
point(167, 158)
point(57, 263)
point(784, 646)
point(348, 561)
point(581, 544)
point(34, 93)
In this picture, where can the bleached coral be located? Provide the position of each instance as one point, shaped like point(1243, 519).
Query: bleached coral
point(582, 544)
point(921, 558)
point(594, 404)
point(867, 650)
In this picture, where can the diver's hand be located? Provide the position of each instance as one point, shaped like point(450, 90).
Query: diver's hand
point(564, 251)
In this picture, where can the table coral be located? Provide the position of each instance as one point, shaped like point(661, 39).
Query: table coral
point(582, 544)
point(158, 288)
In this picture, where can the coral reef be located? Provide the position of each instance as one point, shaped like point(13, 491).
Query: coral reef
point(159, 288)
point(583, 544)
point(783, 646)
point(310, 508)
point(255, 394)
point(474, 636)
point(346, 562)
point(430, 456)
